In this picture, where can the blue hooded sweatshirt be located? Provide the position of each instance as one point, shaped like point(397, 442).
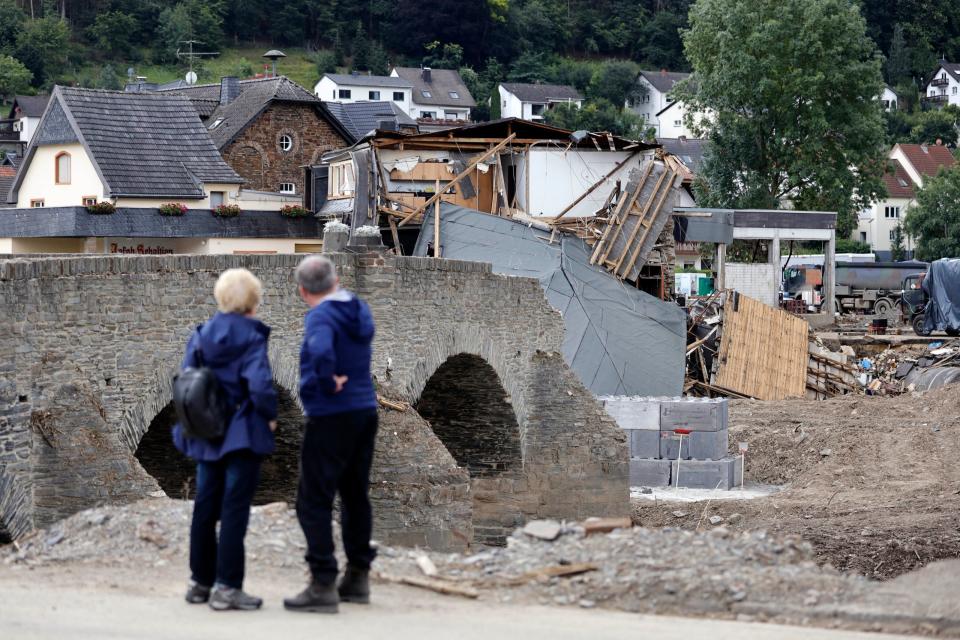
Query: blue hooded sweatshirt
point(235, 347)
point(337, 339)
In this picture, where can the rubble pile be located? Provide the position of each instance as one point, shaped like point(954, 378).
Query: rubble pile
point(633, 569)
point(906, 368)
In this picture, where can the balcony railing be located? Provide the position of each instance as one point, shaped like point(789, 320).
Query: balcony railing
point(942, 97)
point(7, 131)
point(939, 82)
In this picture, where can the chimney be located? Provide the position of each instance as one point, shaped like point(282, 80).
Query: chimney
point(425, 74)
point(663, 72)
point(388, 124)
point(939, 142)
point(229, 89)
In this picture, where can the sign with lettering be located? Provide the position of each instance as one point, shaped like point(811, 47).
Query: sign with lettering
point(139, 249)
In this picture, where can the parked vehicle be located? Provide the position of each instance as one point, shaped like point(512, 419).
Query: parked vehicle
point(931, 300)
point(872, 288)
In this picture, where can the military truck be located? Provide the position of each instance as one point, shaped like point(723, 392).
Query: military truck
point(931, 299)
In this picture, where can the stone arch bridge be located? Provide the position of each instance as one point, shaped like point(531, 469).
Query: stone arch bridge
point(500, 431)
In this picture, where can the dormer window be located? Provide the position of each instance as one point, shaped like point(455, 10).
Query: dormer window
point(62, 168)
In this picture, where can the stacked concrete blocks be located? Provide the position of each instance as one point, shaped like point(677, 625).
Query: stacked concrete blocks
point(701, 445)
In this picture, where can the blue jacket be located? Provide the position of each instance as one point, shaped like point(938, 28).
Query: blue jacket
point(235, 347)
point(337, 339)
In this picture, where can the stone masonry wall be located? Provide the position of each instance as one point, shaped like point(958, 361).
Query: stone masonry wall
point(94, 341)
point(255, 154)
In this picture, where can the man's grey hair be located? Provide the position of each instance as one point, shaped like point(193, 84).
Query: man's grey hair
point(316, 274)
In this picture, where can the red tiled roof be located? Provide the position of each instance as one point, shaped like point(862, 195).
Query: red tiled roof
point(928, 158)
point(899, 184)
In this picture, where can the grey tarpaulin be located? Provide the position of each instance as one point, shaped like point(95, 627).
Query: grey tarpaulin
point(619, 340)
point(942, 285)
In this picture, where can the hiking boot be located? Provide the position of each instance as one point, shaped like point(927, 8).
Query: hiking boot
point(316, 598)
point(355, 586)
point(197, 593)
point(224, 598)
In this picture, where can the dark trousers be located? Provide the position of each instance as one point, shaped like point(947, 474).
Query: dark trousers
point(336, 457)
point(225, 490)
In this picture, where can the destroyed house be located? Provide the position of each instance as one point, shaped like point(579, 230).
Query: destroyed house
point(599, 207)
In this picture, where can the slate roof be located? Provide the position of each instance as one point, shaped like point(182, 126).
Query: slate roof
point(255, 96)
point(541, 92)
point(360, 118)
point(360, 80)
point(663, 81)
point(139, 222)
point(30, 106)
point(7, 175)
point(142, 144)
point(927, 158)
point(689, 150)
point(442, 82)
point(898, 182)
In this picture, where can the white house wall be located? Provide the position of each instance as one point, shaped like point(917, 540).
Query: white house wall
point(39, 182)
point(510, 105)
point(557, 178)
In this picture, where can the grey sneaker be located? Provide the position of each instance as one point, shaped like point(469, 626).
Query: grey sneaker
point(224, 598)
point(197, 593)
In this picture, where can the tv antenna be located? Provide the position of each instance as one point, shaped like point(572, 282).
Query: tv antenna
point(191, 56)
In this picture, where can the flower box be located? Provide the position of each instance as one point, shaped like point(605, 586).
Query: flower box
point(294, 211)
point(101, 208)
point(226, 211)
point(172, 209)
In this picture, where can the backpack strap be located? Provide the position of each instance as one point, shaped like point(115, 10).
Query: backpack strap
point(199, 351)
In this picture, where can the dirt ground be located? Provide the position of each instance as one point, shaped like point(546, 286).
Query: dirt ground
point(872, 482)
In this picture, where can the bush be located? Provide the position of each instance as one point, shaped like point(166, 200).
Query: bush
point(226, 211)
point(173, 209)
point(294, 211)
point(101, 208)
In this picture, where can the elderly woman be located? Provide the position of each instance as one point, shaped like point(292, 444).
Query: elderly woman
point(233, 343)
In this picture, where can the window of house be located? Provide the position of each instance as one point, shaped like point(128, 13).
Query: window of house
point(398, 96)
point(216, 123)
point(893, 232)
point(954, 91)
point(374, 95)
point(677, 123)
point(341, 184)
point(863, 237)
point(538, 109)
point(344, 94)
point(902, 182)
point(62, 168)
point(89, 201)
point(454, 95)
point(288, 187)
point(425, 93)
point(645, 98)
point(451, 115)
point(891, 212)
point(217, 198)
point(286, 142)
point(430, 115)
point(37, 203)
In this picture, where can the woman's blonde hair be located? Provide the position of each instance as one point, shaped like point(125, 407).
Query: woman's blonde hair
point(237, 291)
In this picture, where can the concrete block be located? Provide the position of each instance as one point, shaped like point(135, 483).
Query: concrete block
point(644, 443)
point(707, 474)
point(696, 414)
point(633, 412)
point(709, 445)
point(649, 473)
point(670, 446)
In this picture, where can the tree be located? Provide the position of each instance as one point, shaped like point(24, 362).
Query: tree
point(189, 20)
point(935, 221)
point(447, 56)
point(14, 77)
point(42, 47)
point(615, 81)
point(113, 33)
point(326, 62)
point(787, 93)
point(11, 22)
point(597, 115)
point(897, 251)
point(361, 49)
point(898, 61)
point(930, 126)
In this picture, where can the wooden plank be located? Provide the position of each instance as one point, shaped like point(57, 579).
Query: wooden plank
point(432, 584)
point(646, 209)
point(594, 186)
point(424, 171)
point(556, 571)
point(396, 235)
point(460, 176)
point(646, 228)
point(436, 224)
point(615, 223)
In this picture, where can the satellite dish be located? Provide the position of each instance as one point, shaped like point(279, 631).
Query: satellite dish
point(191, 77)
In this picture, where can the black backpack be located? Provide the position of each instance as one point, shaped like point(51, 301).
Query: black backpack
point(201, 404)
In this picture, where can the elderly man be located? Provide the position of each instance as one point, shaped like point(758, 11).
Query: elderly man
point(336, 390)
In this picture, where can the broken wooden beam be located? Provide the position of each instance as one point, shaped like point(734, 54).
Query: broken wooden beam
point(595, 186)
point(432, 584)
